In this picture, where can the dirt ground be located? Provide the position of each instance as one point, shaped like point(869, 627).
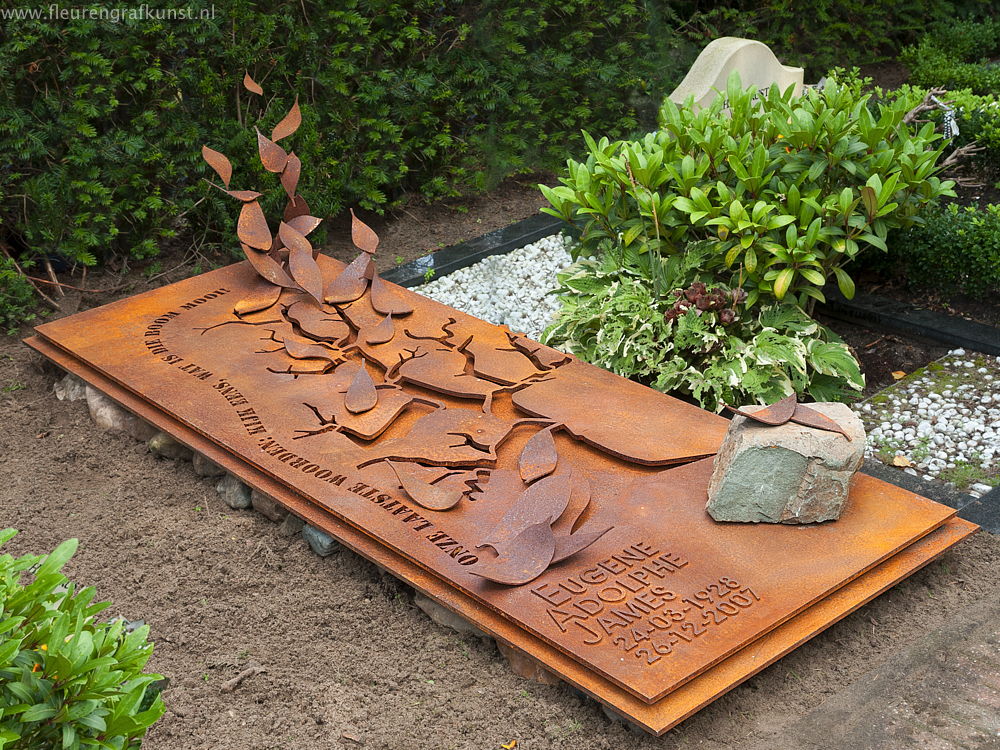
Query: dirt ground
point(350, 661)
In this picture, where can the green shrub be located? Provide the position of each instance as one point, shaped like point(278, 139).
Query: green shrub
point(956, 55)
point(955, 249)
point(66, 679)
point(786, 190)
point(101, 123)
point(17, 298)
point(817, 34)
point(700, 341)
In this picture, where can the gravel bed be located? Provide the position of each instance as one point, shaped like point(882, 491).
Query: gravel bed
point(511, 289)
point(943, 421)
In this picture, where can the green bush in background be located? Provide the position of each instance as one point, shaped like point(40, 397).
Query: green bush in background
point(955, 249)
point(785, 190)
point(67, 680)
point(957, 55)
point(101, 123)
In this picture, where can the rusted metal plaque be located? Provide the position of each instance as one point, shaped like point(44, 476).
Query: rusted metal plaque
point(657, 717)
point(565, 499)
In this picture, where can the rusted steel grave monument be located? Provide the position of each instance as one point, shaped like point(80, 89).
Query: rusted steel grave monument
point(557, 506)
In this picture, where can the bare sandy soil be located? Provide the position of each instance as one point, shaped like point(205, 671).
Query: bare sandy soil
point(350, 661)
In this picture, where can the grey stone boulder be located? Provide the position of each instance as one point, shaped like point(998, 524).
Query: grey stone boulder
point(291, 526)
point(233, 492)
point(70, 388)
point(319, 541)
point(444, 616)
point(267, 506)
point(164, 446)
point(786, 474)
point(111, 417)
point(203, 467)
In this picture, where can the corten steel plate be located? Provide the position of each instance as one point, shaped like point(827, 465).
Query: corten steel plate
point(557, 455)
point(658, 717)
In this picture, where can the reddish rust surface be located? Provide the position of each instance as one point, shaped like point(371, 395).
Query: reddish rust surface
point(657, 717)
point(651, 592)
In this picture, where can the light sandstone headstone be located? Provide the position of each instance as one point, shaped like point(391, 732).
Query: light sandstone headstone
point(785, 474)
point(753, 60)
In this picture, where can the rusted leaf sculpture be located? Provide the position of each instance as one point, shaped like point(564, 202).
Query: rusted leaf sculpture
point(351, 283)
point(382, 333)
point(301, 263)
point(290, 175)
point(539, 456)
point(788, 410)
point(542, 502)
point(362, 235)
point(268, 267)
point(289, 124)
point(218, 162)
point(252, 227)
point(318, 323)
point(251, 85)
point(361, 396)
point(387, 300)
point(423, 493)
point(567, 546)
point(297, 206)
point(272, 156)
point(532, 552)
point(303, 223)
point(262, 296)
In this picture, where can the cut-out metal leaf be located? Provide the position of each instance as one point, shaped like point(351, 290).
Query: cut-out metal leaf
point(542, 502)
point(308, 350)
point(262, 296)
point(296, 207)
point(539, 456)
point(290, 175)
point(252, 227)
point(268, 269)
point(244, 196)
point(251, 85)
point(272, 156)
point(570, 545)
point(777, 413)
point(361, 395)
point(304, 224)
point(382, 333)
point(289, 124)
point(219, 163)
point(579, 500)
point(362, 235)
point(424, 494)
point(531, 553)
point(388, 299)
point(301, 263)
point(811, 418)
point(351, 282)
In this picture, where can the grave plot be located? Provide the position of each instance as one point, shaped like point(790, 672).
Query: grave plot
point(558, 507)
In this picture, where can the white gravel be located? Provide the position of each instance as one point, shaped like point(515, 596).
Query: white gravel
point(509, 289)
point(943, 421)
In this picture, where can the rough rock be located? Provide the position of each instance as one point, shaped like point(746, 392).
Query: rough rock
point(524, 666)
point(444, 616)
point(111, 417)
point(786, 474)
point(70, 388)
point(267, 506)
point(164, 446)
point(291, 526)
point(233, 492)
point(205, 468)
point(319, 541)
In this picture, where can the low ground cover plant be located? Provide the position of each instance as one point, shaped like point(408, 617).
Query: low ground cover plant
point(957, 55)
point(700, 339)
point(67, 679)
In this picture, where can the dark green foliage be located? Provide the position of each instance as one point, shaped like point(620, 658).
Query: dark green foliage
point(818, 34)
point(17, 298)
point(956, 249)
point(101, 123)
point(957, 56)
